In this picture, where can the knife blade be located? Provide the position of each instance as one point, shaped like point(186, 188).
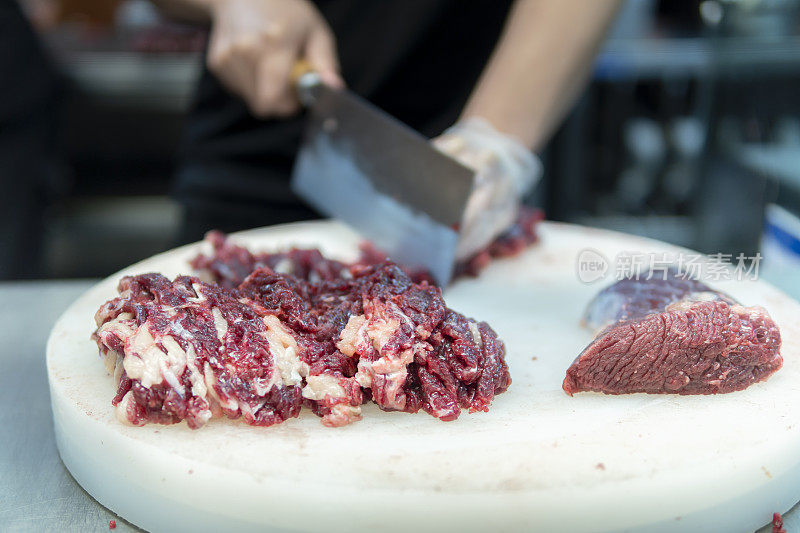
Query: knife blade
point(382, 178)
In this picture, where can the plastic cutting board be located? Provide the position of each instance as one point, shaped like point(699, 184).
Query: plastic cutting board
point(538, 461)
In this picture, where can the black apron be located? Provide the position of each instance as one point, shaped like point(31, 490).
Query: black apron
point(29, 108)
point(416, 59)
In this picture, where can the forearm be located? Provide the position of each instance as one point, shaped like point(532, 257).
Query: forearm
point(539, 65)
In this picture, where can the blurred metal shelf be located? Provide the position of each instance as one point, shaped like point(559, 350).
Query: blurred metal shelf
point(674, 229)
point(779, 162)
point(155, 82)
point(166, 81)
point(125, 229)
point(623, 59)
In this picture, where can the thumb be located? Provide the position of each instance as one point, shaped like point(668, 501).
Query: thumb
point(321, 53)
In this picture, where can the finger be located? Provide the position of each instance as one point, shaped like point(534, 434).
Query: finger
point(275, 95)
point(233, 67)
point(321, 53)
point(451, 145)
point(243, 71)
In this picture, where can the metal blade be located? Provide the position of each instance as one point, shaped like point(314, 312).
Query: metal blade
point(366, 168)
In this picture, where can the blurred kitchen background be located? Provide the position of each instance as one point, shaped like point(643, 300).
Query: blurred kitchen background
point(688, 133)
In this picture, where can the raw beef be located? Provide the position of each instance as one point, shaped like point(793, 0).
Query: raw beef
point(229, 264)
point(515, 239)
point(673, 335)
point(777, 523)
point(329, 338)
point(186, 350)
point(413, 352)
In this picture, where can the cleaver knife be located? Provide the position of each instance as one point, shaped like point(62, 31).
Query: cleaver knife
point(364, 167)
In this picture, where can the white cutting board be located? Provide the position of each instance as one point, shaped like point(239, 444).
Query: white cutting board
point(538, 461)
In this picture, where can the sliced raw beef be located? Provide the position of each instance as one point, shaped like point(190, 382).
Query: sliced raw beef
point(512, 242)
point(190, 350)
point(632, 298)
point(673, 335)
point(413, 352)
point(229, 264)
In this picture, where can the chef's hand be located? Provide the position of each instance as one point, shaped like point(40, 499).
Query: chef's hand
point(255, 43)
point(506, 171)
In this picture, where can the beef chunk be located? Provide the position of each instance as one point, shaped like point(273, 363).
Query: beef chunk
point(673, 335)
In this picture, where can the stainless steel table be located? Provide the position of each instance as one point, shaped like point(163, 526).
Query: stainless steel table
point(36, 492)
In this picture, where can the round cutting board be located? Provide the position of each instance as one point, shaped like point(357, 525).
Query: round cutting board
point(537, 461)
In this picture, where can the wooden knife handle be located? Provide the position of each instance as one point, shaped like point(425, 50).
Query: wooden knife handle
point(305, 80)
point(300, 68)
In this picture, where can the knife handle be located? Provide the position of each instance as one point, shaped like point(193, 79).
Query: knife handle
point(306, 81)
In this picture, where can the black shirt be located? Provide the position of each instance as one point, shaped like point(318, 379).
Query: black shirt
point(416, 59)
point(30, 93)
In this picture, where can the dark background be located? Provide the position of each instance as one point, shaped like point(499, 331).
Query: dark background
point(689, 130)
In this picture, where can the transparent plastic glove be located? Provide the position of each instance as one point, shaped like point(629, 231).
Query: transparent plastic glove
point(506, 171)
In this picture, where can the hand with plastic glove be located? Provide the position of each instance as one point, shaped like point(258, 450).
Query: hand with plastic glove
point(255, 43)
point(505, 171)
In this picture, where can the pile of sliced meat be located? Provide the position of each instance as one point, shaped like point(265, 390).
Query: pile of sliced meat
point(259, 335)
point(320, 334)
point(673, 334)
